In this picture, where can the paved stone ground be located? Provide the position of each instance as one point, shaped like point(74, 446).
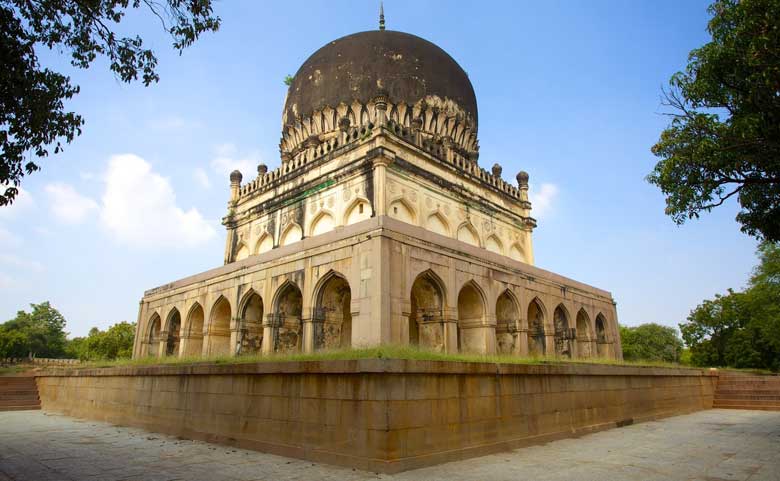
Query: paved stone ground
point(713, 445)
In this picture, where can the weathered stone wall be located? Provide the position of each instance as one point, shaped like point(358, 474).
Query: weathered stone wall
point(383, 415)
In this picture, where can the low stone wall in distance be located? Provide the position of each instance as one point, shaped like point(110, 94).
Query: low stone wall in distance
point(375, 414)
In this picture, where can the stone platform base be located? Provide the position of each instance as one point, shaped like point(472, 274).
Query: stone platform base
point(380, 415)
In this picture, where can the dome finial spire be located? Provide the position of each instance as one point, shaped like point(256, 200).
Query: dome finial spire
point(381, 15)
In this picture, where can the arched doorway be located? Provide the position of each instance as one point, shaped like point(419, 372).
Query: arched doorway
point(219, 328)
point(194, 331)
point(536, 340)
point(563, 335)
point(174, 333)
point(333, 328)
point(471, 314)
point(426, 301)
point(153, 336)
point(507, 316)
point(601, 336)
point(287, 319)
point(583, 335)
point(250, 334)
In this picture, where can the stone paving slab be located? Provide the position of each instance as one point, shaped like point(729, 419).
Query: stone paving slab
point(714, 445)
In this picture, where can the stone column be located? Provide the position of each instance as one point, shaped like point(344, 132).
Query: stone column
point(522, 342)
point(382, 158)
point(270, 333)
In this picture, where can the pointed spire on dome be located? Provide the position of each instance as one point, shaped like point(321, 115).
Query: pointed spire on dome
point(381, 15)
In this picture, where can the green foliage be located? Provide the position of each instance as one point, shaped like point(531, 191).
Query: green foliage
point(33, 117)
point(650, 342)
point(288, 80)
point(40, 332)
point(114, 343)
point(740, 329)
point(724, 135)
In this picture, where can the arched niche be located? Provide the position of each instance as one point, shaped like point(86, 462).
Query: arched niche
point(264, 244)
point(194, 331)
point(427, 301)
point(471, 314)
point(153, 335)
point(250, 335)
point(174, 333)
point(438, 224)
point(402, 210)
point(333, 311)
point(291, 234)
point(516, 252)
point(507, 319)
point(219, 328)
point(493, 244)
point(563, 335)
point(358, 211)
point(584, 347)
point(322, 223)
point(536, 340)
point(288, 306)
point(242, 252)
point(468, 234)
point(601, 336)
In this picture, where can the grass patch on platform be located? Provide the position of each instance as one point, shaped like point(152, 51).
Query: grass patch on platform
point(382, 352)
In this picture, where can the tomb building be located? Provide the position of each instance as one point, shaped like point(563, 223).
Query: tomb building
point(379, 227)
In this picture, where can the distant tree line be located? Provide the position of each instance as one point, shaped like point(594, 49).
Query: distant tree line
point(651, 342)
point(41, 333)
point(740, 329)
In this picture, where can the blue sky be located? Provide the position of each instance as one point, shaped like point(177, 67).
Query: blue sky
point(568, 91)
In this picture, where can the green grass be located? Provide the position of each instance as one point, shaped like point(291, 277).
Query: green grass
point(382, 352)
point(11, 370)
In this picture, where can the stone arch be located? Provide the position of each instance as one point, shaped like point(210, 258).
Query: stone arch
point(250, 313)
point(193, 331)
point(494, 244)
point(173, 328)
point(602, 338)
point(154, 327)
point(583, 335)
point(332, 312)
point(358, 210)
point(264, 244)
point(468, 233)
point(437, 223)
point(242, 251)
point(507, 320)
point(287, 311)
point(322, 223)
point(471, 316)
point(563, 334)
point(292, 233)
point(517, 252)
point(427, 300)
point(536, 335)
point(218, 331)
point(402, 210)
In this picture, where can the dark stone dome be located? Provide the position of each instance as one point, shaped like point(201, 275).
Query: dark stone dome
point(360, 66)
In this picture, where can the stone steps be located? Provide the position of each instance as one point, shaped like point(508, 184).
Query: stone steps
point(747, 392)
point(18, 393)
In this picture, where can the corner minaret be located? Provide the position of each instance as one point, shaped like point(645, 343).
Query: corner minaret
point(381, 16)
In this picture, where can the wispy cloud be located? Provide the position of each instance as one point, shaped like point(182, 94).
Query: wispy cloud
point(67, 204)
point(202, 178)
point(542, 199)
point(18, 262)
point(139, 207)
point(227, 159)
point(23, 203)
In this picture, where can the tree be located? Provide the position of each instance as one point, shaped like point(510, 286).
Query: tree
point(33, 117)
point(724, 136)
point(40, 332)
point(114, 343)
point(650, 342)
point(740, 329)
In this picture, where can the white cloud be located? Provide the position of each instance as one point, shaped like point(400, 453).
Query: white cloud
point(201, 178)
point(67, 205)
point(23, 202)
point(15, 261)
point(227, 160)
point(139, 207)
point(542, 199)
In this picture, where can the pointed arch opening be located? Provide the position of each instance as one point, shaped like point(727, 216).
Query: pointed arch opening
point(219, 328)
point(153, 335)
point(427, 301)
point(264, 244)
point(536, 339)
point(564, 336)
point(471, 314)
point(507, 320)
point(468, 234)
point(601, 336)
point(583, 335)
point(174, 333)
point(332, 313)
point(194, 331)
point(288, 306)
point(250, 332)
